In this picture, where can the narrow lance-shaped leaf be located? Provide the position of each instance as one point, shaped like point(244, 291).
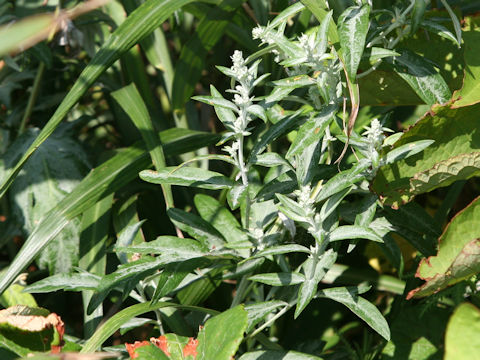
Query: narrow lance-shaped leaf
point(365, 310)
point(352, 31)
point(146, 18)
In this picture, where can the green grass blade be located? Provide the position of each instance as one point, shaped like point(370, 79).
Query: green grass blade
point(101, 182)
point(95, 228)
point(140, 23)
point(117, 320)
point(131, 102)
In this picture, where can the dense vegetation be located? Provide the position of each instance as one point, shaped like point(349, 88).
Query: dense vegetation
point(219, 179)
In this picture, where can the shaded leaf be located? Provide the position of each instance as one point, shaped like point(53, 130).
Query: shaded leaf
point(460, 339)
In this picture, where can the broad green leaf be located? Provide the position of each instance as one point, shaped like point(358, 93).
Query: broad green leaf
point(53, 171)
point(12, 349)
point(365, 310)
point(314, 270)
point(458, 256)
point(453, 132)
point(150, 352)
point(32, 328)
point(187, 176)
point(422, 77)
point(279, 279)
point(198, 228)
point(221, 219)
point(446, 172)
point(146, 18)
point(258, 311)
point(347, 232)
point(67, 282)
point(276, 355)
point(460, 339)
point(312, 130)
point(352, 32)
point(469, 93)
point(116, 321)
point(222, 334)
point(15, 295)
point(417, 333)
point(189, 66)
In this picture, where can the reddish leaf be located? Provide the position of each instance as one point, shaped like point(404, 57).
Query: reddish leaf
point(161, 343)
point(191, 348)
point(132, 347)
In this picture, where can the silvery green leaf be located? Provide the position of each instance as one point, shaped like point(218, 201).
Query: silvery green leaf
point(258, 111)
point(275, 355)
point(422, 77)
point(67, 282)
point(279, 279)
point(257, 312)
point(440, 30)
point(276, 130)
point(196, 227)
point(287, 13)
point(343, 180)
point(282, 249)
point(322, 35)
point(314, 273)
point(260, 79)
point(456, 23)
point(404, 151)
point(291, 208)
point(348, 232)
point(352, 32)
point(168, 246)
point(375, 53)
point(271, 159)
point(365, 310)
point(217, 102)
point(312, 130)
point(187, 176)
point(332, 203)
point(225, 70)
point(295, 81)
point(235, 195)
point(225, 115)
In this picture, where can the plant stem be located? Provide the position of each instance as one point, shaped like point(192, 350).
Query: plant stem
point(32, 98)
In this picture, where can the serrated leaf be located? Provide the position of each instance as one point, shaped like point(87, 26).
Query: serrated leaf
point(347, 232)
point(197, 228)
point(460, 339)
point(458, 255)
point(365, 310)
point(314, 273)
point(278, 279)
point(187, 176)
point(422, 77)
point(222, 334)
point(446, 172)
point(352, 32)
point(53, 171)
point(453, 132)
